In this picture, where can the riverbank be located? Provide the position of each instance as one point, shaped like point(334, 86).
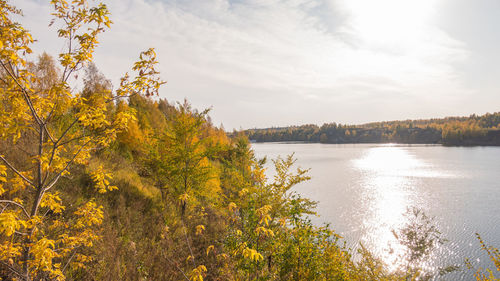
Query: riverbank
point(454, 131)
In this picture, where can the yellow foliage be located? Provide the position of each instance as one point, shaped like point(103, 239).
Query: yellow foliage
point(53, 202)
point(146, 83)
point(9, 250)
point(43, 253)
point(101, 179)
point(212, 186)
point(494, 255)
point(183, 198)
point(222, 257)
point(132, 136)
point(282, 222)
point(252, 254)
point(10, 223)
point(247, 252)
point(89, 215)
point(243, 192)
point(199, 229)
point(232, 207)
point(198, 273)
point(210, 248)
point(3, 177)
point(263, 213)
point(17, 184)
point(61, 127)
point(264, 231)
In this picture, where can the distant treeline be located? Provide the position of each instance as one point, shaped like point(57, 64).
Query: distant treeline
point(472, 130)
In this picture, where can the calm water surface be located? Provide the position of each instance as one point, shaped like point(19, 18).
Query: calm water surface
point(363, 191)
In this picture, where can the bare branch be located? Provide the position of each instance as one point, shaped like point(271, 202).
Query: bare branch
point(69, 50)
point(17, 204)
point(66, 131)
point(12, 269)
point(121, 97)
point(16, 171)
point(56, 178)
point(3, 209)
point(47, 132)
point(178, 268)
point(69, 260)
point(49, 116)
point(188, 244)
point(72, 140)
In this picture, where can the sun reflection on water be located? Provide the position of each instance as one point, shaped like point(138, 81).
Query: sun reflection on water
point(388, 190)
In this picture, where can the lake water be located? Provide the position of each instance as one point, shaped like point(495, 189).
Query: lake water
point(364, 190)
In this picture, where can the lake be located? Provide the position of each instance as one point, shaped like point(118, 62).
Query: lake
point(364, 191)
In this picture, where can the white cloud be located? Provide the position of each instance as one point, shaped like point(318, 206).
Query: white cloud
point(263, 63)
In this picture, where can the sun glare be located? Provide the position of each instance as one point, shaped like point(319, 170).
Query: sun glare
point(386, 192)
point(389, 19)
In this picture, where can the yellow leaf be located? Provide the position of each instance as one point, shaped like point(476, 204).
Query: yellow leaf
point(210, 248)
point(183, 198)
point(199, 229)
point(232, 207)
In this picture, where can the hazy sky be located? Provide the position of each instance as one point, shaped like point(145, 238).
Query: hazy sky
point(262, 63)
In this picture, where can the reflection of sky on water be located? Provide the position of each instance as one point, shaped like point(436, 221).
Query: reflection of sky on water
point(357, 183)
point(392, 160)
point(388, 180)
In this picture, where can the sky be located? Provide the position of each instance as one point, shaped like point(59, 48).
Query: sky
point(265, 63)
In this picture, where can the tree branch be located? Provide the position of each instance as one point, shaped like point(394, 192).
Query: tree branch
point(66, 131)
point(12, 269)
point(188, 244)
point(57, 144)
point(49, 116)
point(71, 140)
point(69, 260)
point(56, 178)
point(17, 204)
point(79, 61)
point(26, 97)
point(16, 171)
point(178, 268)
point(25, 94)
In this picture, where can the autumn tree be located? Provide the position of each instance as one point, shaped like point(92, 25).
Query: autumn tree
point(56, 127)
point(180, 155)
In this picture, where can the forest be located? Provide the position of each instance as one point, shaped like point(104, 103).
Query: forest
point(103, 184)
point(472, 130)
